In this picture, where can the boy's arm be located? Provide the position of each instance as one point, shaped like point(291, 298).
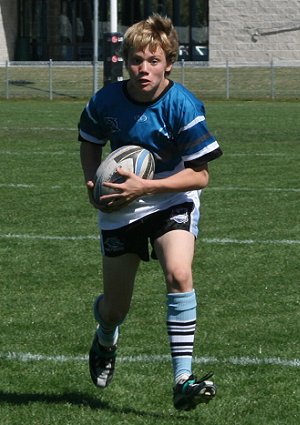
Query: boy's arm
point(90, 156)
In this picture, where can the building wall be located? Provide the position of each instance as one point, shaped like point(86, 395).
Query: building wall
point(237, 30)
point(8, 29)
point(232, 28)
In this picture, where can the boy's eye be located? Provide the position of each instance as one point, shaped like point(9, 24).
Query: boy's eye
point(138, 61)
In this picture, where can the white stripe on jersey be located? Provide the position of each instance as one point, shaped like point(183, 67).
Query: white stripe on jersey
point(191, 124)
point(90, 115)
point(210, 148)
point(90, 138)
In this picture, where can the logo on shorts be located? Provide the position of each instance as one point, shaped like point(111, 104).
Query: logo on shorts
point(180, 216)
point(113, 245)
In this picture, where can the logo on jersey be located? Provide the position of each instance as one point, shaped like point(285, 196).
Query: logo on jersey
point(111, 125)
point(142, 118)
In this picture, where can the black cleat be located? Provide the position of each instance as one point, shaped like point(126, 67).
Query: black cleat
point(189, 393)
point(102, 363)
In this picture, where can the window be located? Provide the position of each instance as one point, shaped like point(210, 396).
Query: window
point(63, 29)
point(32, 31)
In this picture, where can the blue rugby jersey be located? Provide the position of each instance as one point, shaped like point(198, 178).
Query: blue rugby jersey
point(173, 128)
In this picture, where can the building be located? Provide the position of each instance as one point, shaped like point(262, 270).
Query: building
point(212, 31)
point(243, 31)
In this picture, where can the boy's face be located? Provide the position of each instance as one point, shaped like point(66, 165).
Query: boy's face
point(147, 74)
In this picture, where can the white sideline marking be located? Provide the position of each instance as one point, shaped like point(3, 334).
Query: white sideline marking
point(239, 361)
point(17, 185)
point(35, 186)
point(49, 238)
point(39, 129)
point(206, 240)
point(279, 154)
point(48, 153)
point(251, 241)
point(217, 188)
point(255, 189)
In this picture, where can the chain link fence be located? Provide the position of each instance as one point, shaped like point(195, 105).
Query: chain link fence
point(59, 80)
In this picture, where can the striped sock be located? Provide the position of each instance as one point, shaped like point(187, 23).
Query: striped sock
point(181, 325)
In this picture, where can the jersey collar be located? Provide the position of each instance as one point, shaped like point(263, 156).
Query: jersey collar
point(125, 91)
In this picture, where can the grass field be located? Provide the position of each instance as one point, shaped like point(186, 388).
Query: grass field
point(246, 276)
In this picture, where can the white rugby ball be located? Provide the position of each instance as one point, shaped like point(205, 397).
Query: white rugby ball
point(131, 158)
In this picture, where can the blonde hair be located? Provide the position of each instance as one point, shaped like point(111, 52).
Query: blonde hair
point(153, 32)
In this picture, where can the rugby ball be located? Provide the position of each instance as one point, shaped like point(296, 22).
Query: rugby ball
point(131, 158)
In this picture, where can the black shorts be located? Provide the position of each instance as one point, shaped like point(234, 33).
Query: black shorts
point(134, 238)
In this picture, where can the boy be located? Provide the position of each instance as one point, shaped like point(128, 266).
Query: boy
point(162, 116)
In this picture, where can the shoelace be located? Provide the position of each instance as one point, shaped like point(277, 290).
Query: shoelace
point(205, 377)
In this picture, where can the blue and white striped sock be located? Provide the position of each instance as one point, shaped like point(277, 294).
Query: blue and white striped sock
point(181, 325)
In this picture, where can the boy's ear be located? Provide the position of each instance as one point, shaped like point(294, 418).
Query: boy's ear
point(169, 68)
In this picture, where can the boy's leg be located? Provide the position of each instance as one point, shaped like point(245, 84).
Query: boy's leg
point(181, 325)
point(110, 310)
point(118, 283)
point(175, 251)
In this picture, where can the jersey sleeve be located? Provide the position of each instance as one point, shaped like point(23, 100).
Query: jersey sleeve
point(90, 126)
point(195, 142)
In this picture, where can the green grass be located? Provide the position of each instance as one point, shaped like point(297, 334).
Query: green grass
point(246, 276)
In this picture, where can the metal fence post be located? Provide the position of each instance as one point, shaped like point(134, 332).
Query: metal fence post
point(6, 80)
point(96, 46)
point(50, 80)
point(227, 80)
point(272, 80)
point(182, 72)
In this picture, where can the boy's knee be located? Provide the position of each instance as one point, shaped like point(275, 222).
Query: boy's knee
point(180, 279)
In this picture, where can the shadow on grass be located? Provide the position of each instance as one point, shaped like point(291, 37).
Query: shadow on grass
point(71, 398)
point(76, 399)
point(28, 85)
